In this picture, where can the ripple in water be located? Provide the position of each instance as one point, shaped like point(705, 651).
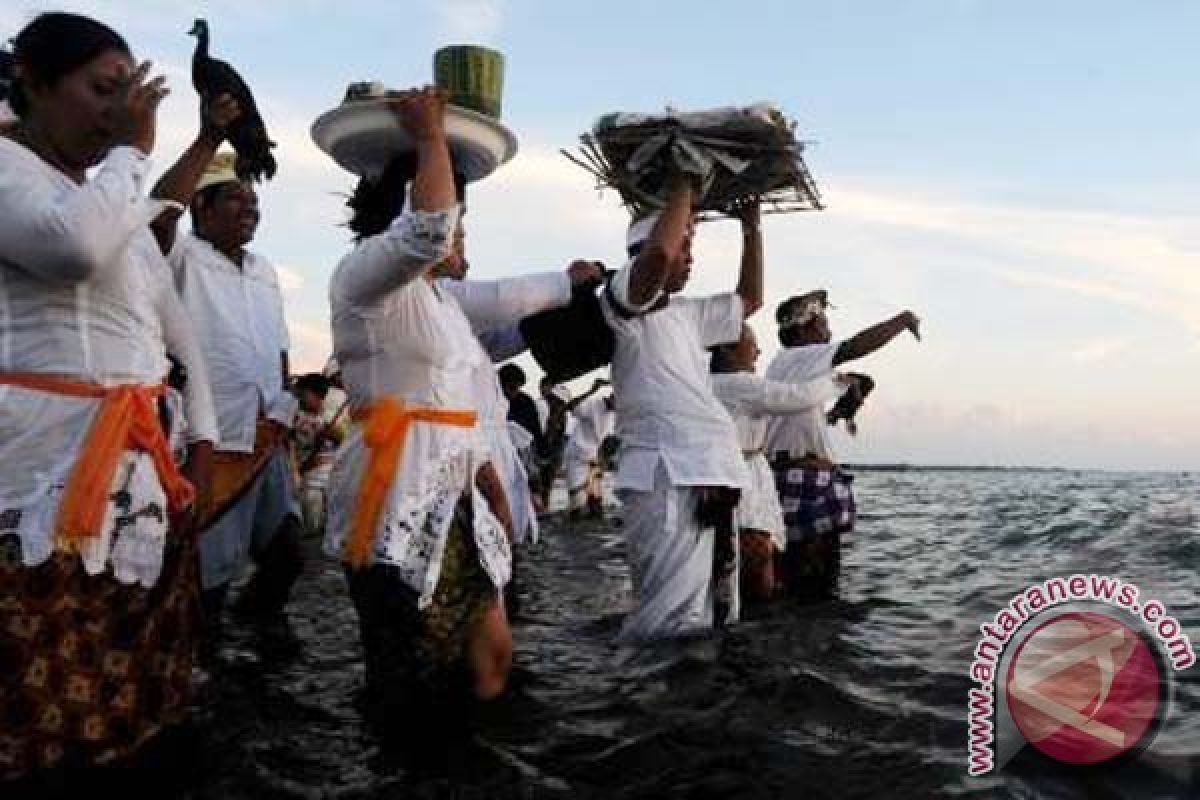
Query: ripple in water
point(861, 697)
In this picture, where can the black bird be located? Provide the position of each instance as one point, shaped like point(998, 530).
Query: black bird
point(851, 401)
point(247, 134)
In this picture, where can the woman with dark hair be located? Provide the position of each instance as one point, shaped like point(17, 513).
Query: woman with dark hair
point(97, 574)
point(416, 510)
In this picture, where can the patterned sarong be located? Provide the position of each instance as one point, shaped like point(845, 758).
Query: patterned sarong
point(818, 507)
point(90, 668)
point(410, 650)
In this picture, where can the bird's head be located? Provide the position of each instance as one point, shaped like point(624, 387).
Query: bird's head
point(199, 28)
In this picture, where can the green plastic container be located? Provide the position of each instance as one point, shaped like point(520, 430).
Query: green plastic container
point(473, 76)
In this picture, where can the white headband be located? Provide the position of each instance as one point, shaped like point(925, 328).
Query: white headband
point(806, 313)
point(640, 230)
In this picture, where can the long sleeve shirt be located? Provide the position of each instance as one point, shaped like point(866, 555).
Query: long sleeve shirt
point(753, 401)
point(237, 312)
point(84, 294)
point(396, 333)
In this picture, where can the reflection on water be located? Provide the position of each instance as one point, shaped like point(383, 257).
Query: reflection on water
point(861, 697)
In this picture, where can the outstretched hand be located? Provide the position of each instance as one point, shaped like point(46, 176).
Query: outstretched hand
point(912, 323)
point(748, 210)
point(421, 112)
point(137, 115)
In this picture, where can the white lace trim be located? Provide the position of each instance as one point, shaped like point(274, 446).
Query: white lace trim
point(133, 535)
point(414, 529)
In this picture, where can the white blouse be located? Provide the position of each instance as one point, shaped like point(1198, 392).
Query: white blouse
point(396, 333)
point(85, 294)
point(494, 309)
point(753, 400)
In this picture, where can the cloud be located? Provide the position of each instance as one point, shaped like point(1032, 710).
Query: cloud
point(312, 344)
point(289, 279)
point(1098, 350)
point(469, 21)
point(1146, 263)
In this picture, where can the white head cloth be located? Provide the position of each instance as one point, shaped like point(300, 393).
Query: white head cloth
point(219, 170)
point(640, 230)
point(804, 313)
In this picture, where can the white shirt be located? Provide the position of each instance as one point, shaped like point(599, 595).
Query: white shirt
point(593, 423)
point(395, 333)
point(666, 410)
point(806, 433)
point(493, 309)
point(84, 293)
point(238, 317)
point(752, 401)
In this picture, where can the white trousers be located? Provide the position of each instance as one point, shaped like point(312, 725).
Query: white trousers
point(671, 559)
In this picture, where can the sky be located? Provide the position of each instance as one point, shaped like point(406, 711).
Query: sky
point(1022, 175)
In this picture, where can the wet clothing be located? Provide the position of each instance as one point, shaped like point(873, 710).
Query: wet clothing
point(677, 442)
point(96, 622)
point(818, 510)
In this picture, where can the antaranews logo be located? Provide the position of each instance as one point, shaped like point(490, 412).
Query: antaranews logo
point(1078, 668)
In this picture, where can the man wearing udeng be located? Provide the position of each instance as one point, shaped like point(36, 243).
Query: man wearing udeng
point(233, 298)
point(681, 465)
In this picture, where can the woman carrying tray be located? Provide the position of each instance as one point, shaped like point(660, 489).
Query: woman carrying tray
point(681, 465)
point(416, 509)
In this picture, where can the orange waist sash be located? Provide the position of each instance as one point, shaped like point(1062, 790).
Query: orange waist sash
point(126, 420)
point(385, 431)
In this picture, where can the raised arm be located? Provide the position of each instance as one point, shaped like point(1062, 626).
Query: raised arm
point(750, 279)
point(492, 305)
point(868, 341)
point(68, 238)
point(652, 265)
point(422, 113)
point(415, 241)
point(178, 183)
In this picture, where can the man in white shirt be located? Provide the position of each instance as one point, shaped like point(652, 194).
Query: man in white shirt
point(594, 422)
point(681, 465)
point(818, 504)
point(233, 298)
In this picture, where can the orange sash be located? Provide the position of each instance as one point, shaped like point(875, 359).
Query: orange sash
point(126, 420)
point(385, 430)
